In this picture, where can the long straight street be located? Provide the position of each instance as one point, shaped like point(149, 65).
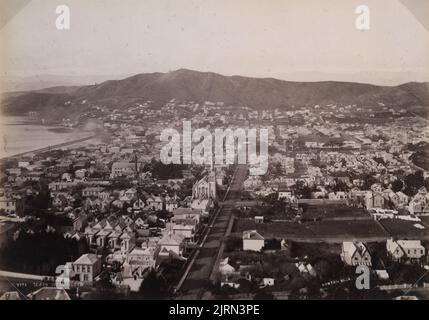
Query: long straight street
point(197, 278)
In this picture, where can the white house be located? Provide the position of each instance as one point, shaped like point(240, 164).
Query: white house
point(7, 204)
point(182, 213)
point(184, 230)
point(253, 241)
point(340, 195)
point(141, 259)
point(138, 205)
point(92, 191)
point(411, 250)
point(171, 242)
point(268, 282)
point(201, 204)
point(155, 202)
point(225, 267)
point(419, 205)
point(122, 169)
point(285, 194)
point(171, 203)
point(355, 253)
point(87, 267)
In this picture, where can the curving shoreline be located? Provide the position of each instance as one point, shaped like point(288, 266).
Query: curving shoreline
point(48, 148)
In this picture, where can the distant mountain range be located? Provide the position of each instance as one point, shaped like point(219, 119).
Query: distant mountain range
point(197, 86)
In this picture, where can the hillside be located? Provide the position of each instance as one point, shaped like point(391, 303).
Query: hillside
point(233, 90)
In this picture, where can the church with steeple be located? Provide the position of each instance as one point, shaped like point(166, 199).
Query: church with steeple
point(206, 187)
point(204, 192)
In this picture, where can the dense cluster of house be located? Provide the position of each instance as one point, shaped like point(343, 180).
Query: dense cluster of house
point(376, 197)
point(139, 240)
point(353, 253)
point(135, 226)
point(124, 224)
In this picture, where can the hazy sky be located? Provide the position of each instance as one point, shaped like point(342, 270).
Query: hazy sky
point(289, 39)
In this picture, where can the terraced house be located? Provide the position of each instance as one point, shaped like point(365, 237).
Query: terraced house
point(354, 253)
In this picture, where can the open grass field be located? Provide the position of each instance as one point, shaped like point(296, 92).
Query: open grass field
point(404, 229)
point(342, 230)
point(272, 230)
point(325, 211)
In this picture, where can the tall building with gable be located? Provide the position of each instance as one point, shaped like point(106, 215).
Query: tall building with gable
point(205, 188)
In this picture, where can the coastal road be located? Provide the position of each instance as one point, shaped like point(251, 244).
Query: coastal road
point(49, 148)
point(197, 278)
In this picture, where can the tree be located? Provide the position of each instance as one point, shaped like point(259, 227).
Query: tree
point(153, 287)
point(278, 169)
point(233, 243)
point(413, 182)
point(397, 185)
point(421, 155)
point(322, 268)
point(39, 253)
point(164, 214)
point(105, 282)
point(379, 160)
point(164, 171)
point(340, 185)
point(368, 181)
point(305, 192)
point(270, 198)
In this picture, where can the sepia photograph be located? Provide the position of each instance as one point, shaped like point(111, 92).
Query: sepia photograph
point(197, 151)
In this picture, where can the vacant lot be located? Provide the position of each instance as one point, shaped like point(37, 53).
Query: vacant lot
point(327, 230)
point(353, 228)
point(272, 230)
point(404, 229)
point(329, 211)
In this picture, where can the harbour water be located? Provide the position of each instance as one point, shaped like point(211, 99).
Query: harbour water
point(19, 134)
